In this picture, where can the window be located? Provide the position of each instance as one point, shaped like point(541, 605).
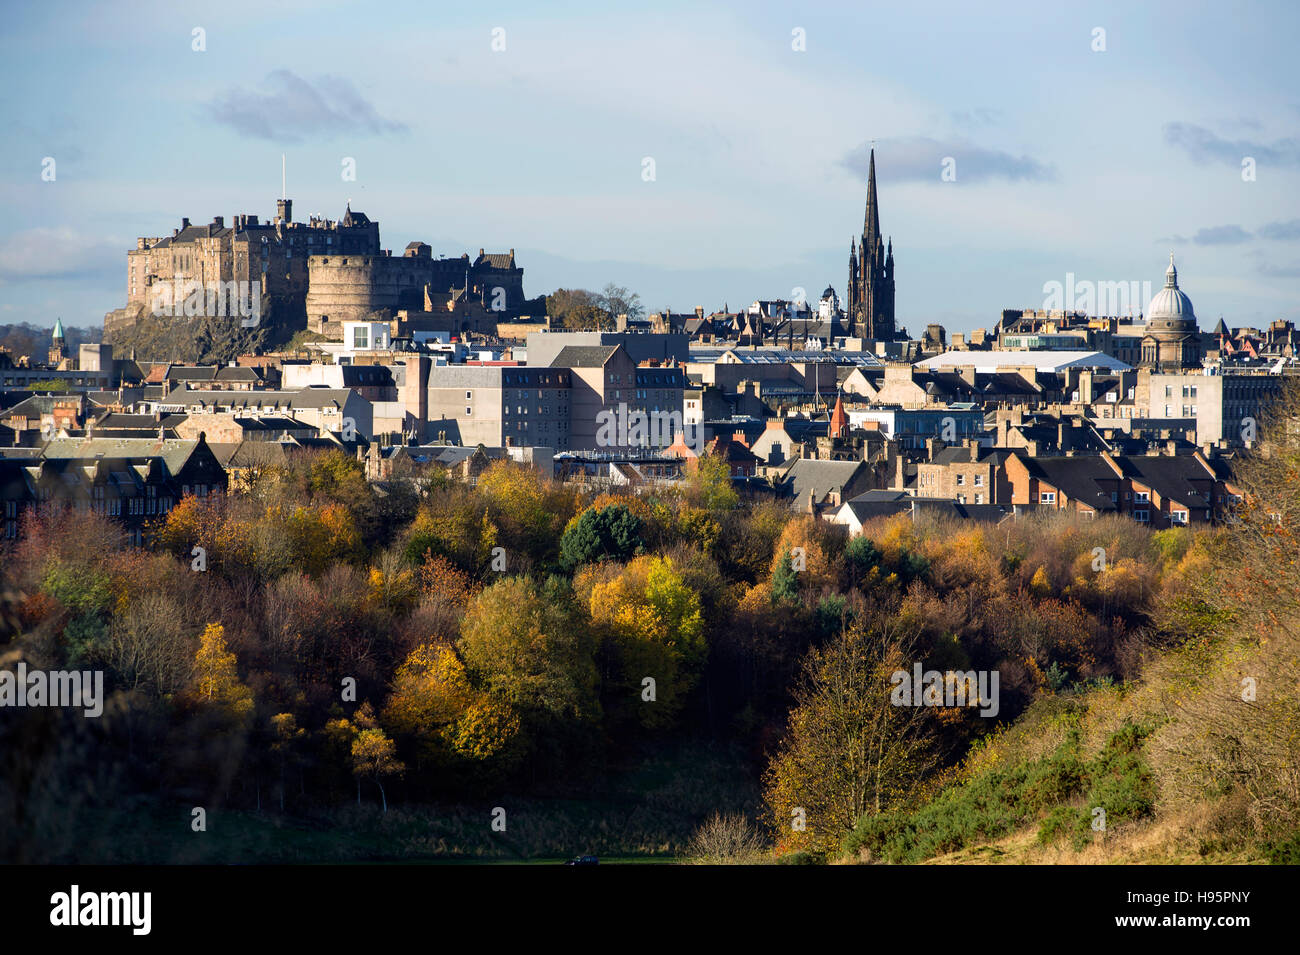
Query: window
point(979, 480)
point(469, 411)
point(1178, 517)
point(360, 337)
point(1141, 497)
point(961, 479)
point(979, 498)
point(469, 396)
point(961, 498)
point(1047, 497)
point(1142, 516)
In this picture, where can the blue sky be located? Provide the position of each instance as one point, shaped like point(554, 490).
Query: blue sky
point(1067, 159)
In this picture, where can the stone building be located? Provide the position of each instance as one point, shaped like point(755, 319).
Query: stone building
point(349, 288)
point(500, 405)
point(271, 257)
point(1172, 340)
point(315, 274)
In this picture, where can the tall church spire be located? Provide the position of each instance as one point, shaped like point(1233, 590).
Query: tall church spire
point(871, 276)
point(871, 222)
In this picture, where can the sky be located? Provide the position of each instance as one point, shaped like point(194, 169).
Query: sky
point(698, 153)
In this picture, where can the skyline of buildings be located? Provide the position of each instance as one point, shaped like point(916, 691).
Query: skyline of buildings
point(1109, 158)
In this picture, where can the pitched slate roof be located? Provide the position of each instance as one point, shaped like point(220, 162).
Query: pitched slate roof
point(174, 452)
point(1076, 478)
point(1170, 476)
point(496, 260)
point(807, 477)
point(584, 356)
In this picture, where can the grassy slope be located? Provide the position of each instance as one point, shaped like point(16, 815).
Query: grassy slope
point(646, 811)
point(1026, 796)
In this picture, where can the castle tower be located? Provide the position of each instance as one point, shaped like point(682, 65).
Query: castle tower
point(871, 273)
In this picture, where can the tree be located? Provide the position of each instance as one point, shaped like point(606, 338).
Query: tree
point(529, 508)
point(578, 310)
point(434, 704)
point(147, 645)
point(785, 580)
point(610, 533)
point(529, 647)
point(563, 301)
point(709, 484)
point(861, 557)
point(373, 757)
point(287, 737)
point(616, 300)
point(588, 318)
point(655, 630)
point(849, 750)
point(215, 681)
point(800, 563)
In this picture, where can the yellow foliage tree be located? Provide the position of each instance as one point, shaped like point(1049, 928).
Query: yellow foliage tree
point(653, 619)
point(215, 680)
point(434, 704)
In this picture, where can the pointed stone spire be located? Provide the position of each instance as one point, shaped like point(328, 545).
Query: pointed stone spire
point(871, 223)
point(1171, 273)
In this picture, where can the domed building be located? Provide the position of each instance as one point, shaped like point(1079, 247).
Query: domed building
point(828, 309)
point(1172, 338)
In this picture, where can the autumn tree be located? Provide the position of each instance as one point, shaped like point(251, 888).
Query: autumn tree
point(374, 755)
point(530, 646)
point(215, 680)
point(848, 750)
point(655, 631)
point(435, 707)
point(147, 645)
point(563, 306)
point(528, 507)
point(708, 483)
point(286, 740)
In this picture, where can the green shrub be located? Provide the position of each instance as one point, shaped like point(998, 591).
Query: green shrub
point(1061, 790)
point(611, 533)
